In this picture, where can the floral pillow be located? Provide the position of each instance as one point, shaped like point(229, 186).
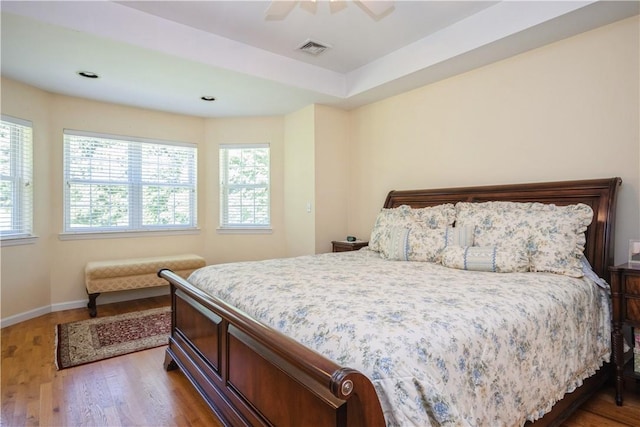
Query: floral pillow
point(552, 235)
point(557, 244)
point(406, 217)
point(485, 258)
point(424, 244)
point(435, 216)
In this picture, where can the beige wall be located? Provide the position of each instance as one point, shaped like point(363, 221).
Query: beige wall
point(242, 247)
point(24, 270)
point(565, 111)
point(332, 172)
point(299, 168)
point(316, 178)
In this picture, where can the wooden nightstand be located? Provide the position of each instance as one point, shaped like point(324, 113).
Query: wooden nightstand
point(625, 301)
point(344, 246)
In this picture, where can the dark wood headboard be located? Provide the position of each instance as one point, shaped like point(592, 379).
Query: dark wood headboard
point(600, 194)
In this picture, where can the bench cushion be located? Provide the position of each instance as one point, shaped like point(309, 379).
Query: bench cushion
point(136, 273)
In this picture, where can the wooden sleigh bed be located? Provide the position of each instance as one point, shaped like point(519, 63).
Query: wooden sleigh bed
point(251, 374)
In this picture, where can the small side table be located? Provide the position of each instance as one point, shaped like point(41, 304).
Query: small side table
point(625, 302)
point(344, 246)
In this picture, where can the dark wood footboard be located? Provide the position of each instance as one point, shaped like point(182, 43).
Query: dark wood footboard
point(252, 375)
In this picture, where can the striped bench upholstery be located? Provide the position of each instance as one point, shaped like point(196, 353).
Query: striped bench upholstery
point(136, 273)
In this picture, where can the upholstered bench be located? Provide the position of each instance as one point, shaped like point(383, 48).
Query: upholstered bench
point(136, 273)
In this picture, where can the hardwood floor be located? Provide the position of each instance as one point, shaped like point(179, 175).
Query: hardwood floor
point(130, 390)
point(134, 390)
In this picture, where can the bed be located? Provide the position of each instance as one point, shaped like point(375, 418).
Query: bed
point(260, 353)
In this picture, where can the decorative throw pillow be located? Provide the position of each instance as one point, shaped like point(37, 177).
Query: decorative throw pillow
point(558, 239)
point(552, 235)
point(406, 217)
point(495, 223)
point(435, 216)
point(396, 247)
point(460, 235)
point(423, 244)
point(485, 258)
point(426, 245)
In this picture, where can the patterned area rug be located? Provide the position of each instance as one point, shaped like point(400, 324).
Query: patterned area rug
point(100, 338)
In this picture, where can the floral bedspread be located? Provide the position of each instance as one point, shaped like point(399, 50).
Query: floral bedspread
point(443, 347)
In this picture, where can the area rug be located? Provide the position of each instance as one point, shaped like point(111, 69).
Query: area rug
point(86, 341)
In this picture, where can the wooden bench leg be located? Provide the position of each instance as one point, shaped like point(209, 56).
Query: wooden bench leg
point(93, 310)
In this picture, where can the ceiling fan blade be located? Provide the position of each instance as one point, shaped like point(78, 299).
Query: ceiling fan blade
point(279, 9)
point(377, 9)
point(337, 5)
point(310, 6)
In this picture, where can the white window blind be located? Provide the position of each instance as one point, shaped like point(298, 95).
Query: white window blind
point(244, 186)
point(16, 171)
point(116, 183)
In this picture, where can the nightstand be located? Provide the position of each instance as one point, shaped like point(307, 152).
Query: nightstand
point(625, 302)
point(344, 246)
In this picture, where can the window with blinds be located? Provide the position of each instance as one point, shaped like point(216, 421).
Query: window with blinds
point(244, 186)
point(16, 186)
point(115, 183)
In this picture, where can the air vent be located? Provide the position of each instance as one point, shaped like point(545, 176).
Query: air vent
point(313, 47)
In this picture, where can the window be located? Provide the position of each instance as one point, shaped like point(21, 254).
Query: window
point(125, 184)
point(244, 186)
point(16, 189)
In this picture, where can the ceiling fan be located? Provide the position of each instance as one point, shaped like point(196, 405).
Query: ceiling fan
point(279, 9)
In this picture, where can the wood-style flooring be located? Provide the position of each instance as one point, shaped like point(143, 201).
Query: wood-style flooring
point(135, 390)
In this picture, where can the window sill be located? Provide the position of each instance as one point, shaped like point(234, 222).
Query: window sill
point(18, 241)
point(126, 234)
point(245, 230)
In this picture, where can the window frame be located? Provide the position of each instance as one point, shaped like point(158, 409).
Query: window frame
point(250, 228)
point(135, 187)
point(21, 182)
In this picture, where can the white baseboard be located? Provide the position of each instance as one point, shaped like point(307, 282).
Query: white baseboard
point(106, 298)
point(61, 306)
point(31, 314)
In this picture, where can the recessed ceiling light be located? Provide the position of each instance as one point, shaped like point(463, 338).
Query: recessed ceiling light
point(88, 74)
point(208, 98)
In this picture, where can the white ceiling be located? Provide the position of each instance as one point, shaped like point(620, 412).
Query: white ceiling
point(165, 55)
